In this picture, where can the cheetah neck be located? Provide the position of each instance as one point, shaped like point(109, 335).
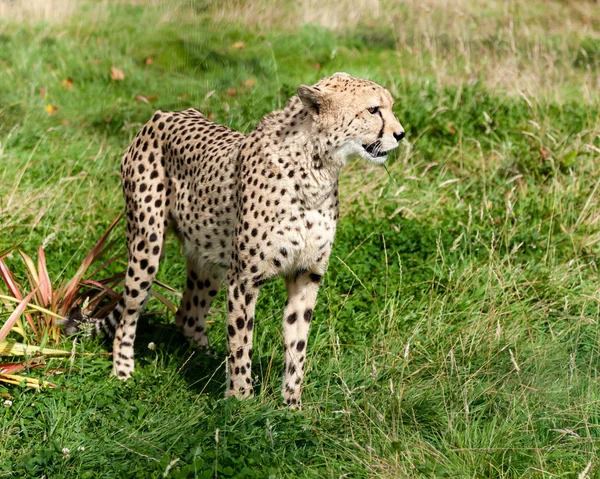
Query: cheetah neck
point(295, 143)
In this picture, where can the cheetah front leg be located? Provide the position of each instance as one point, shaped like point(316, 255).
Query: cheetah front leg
point(241, 300)
point(202, 285)
point(302, 296)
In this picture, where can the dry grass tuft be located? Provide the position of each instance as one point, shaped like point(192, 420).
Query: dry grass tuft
point(37, 10)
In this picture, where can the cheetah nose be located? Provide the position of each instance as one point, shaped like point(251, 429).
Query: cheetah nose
point(399, 135)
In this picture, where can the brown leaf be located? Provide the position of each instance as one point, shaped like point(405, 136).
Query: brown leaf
point(317, 66)
point(544, 152)
point(211, 116)
point(117, 74)
point(248, 83)
point(231, 91)
point(43, 91)
point(51, 110)
point(149, 61)
point(238, 45)
point(67, 83)
point(145, 99)
point(108, 119)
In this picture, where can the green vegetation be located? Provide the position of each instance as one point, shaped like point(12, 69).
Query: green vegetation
point(456, 333)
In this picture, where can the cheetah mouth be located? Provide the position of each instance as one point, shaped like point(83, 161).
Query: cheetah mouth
point(375, 152)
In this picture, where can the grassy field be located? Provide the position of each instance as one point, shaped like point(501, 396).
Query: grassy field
point(456, 333)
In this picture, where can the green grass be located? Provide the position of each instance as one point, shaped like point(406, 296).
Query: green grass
point(456, 333)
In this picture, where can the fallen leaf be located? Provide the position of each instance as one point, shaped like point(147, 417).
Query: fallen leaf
point(149, 61)
point(43, 91)
point(211, 116)
point(107, 120)
point(249, 82)
point(544, 152)
point(67, 83)
point(145, 99)
point(65, 122)
point(316, 65)
point(231, 91)
point(238, 45)
point(117, 74)
point(51, 110)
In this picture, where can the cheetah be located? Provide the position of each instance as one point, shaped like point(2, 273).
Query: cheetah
point(248, 208)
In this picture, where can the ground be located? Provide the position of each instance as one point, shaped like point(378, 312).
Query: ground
point(456, 333)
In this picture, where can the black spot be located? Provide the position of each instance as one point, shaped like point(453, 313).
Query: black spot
point(240, 322)
point(291, 319)
point(250, 324)
point(315, 278)
point(308, 315)
point(231, 331)
point(300, 345)
point(248, 299)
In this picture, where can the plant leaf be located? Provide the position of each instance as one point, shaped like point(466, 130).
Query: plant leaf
point(11, 348)
point(29, 382)
point(32, 306)
point(164, 301)
point(32, 275)
point(71, 289)
point(15, 315)
point(13, 368)
point(44, 277)
point(13, 288)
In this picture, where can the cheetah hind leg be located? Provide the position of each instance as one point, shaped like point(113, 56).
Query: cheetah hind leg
point(202, 285)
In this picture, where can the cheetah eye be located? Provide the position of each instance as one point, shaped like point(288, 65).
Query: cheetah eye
point(374, 110)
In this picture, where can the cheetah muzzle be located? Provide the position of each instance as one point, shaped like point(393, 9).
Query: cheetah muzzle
point(247, 208)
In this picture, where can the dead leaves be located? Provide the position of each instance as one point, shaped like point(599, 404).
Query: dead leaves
point(67, 84)
point(238, 45)
point(145, 99)
point(117, 74)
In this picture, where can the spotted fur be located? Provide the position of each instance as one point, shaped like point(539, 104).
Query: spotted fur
point(247, 208)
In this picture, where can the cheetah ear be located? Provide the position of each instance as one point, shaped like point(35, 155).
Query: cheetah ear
point(312, 98)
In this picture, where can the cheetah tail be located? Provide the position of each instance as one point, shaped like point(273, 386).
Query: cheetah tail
point(77, 321)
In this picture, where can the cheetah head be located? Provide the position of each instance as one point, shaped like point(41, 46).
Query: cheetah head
point(355, 115)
